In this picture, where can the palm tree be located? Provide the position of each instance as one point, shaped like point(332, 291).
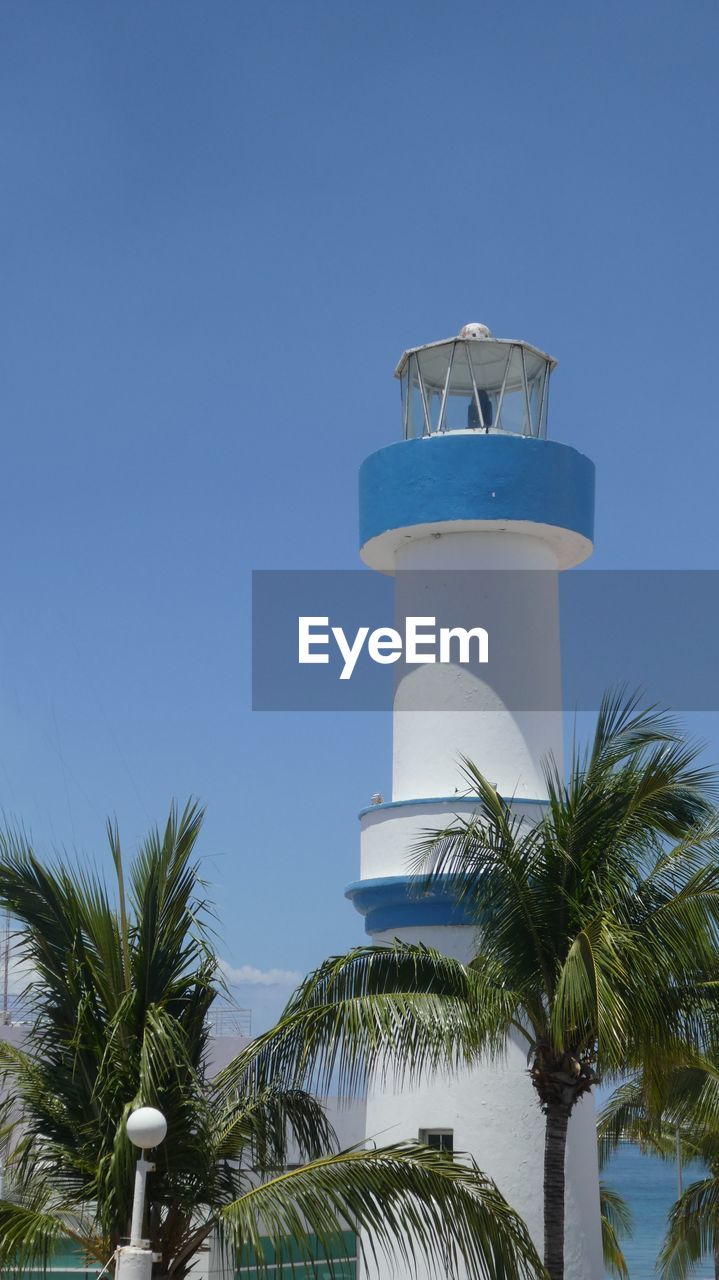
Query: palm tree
point(676, 1114)
point(594, 926)
point(121, 992)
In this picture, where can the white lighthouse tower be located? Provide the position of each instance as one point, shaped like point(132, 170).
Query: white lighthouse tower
point(475, 485)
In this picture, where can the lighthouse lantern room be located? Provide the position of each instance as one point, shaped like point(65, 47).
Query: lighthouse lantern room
point(475, 382)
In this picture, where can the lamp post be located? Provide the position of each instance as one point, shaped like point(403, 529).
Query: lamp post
point(146, 1128)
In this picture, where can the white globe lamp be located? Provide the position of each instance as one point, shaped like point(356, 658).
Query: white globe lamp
point(146, 1127)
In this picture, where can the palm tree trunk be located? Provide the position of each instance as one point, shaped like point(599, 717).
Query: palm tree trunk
point(555, 1144)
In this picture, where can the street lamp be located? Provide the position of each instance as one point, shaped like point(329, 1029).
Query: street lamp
point(146, 1128)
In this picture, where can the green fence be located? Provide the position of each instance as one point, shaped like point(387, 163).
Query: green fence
point(69, 1263)
point(294, 1263)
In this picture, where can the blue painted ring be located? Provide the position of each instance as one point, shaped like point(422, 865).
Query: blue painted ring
point(454, 802)
point(472, 479)
point(393, 902)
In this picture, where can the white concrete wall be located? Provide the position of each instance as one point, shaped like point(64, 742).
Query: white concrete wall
point(442, 712)
point(387, 833)
point(495, 1116)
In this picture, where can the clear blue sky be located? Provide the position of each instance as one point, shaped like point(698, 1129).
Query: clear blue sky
point(221, 225)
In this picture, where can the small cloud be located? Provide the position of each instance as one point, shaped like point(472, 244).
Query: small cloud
point(248, 976)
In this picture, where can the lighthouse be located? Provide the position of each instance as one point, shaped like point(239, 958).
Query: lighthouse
point(475, 509)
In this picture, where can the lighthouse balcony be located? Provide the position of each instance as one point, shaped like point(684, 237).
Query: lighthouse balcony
point(388, 894)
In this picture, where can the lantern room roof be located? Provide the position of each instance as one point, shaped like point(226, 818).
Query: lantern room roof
point(435, 355)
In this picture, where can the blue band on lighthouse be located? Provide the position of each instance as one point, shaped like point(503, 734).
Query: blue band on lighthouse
point(397, 902)
point(470, 479)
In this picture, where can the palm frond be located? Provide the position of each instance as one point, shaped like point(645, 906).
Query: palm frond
point(29, 1233)
point(402, 1008)
point(407, 1202)
point(589, 1001)
point(617, 1221)
point(628, 1116)
point(693, 1231)
point(267, 1123)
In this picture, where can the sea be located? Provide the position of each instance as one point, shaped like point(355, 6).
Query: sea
point(650, 1187)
